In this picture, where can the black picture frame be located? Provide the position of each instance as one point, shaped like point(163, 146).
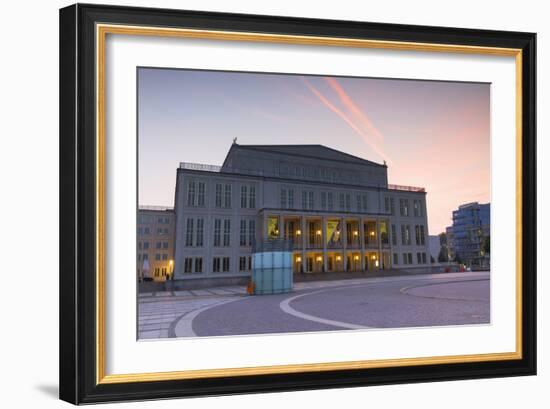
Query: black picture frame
point(78, 258)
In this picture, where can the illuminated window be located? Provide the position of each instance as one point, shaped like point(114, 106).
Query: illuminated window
point(272, 227)
point(334, 236)
point(384, 232)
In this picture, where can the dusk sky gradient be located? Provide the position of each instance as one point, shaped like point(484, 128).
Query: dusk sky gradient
point(431, 134)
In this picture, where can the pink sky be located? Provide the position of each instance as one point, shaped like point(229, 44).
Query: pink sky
point(431, 134)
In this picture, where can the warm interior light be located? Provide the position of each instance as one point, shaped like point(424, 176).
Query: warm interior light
point(171, 262)
point(318, 232)
point(373, 257)
point(372, 233)
point(319, 258)
point(298, 232)
point(376, 263)
point(338, 258)
point(298, 259)
point(356, 258)
point(355, 232)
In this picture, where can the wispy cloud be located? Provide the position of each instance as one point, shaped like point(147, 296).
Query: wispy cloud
point(355, 110)
point(355, 118)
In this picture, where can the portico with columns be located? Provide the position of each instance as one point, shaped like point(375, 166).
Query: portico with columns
point(331, 242)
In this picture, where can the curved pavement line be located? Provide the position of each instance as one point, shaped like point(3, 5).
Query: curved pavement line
point(184, 325)
point(285, 306)
point(405, 290)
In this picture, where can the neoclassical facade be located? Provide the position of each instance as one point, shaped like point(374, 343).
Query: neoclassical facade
point(338, 211)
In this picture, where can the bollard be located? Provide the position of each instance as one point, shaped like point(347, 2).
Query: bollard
point(250, 288)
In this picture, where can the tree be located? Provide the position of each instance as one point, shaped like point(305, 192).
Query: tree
point(486, 247)
point(443, 257)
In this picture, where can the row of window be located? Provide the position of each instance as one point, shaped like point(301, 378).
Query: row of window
point(158, 245)
point(223, 195)
point(420, 236)
point(327, 200)
point(194, 232)
point(404, 207)
point(345, 202)
point(160, 272)
point(219, 264)
point(407, 258)
point(145, 231)
point(148, 219)
point(158, 256)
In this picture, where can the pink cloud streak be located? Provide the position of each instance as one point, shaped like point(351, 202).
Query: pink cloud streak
point(350, 105)
point(347, 120)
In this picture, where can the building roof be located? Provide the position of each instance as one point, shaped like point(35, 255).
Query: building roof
point(309, 151)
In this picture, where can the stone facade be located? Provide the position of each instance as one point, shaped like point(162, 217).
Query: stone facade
point(337, 209)
point(155, 242)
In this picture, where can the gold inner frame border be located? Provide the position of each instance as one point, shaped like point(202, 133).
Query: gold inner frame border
point(102, 30)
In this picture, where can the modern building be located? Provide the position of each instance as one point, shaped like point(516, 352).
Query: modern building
point(337, 210)
point(467, 236)
point(155, 243)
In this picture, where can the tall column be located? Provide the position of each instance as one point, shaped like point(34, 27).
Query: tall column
point(264, 229)
point(378, 239)
point(362, 238)
point(281, 227)
point(324, 238)
point(344, 242)
point(303, 226)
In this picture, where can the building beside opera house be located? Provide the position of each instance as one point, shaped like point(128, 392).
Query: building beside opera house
point(337, 210)
point(155, 243)
point(469, 235)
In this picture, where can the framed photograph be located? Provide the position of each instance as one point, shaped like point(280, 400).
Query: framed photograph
point(258, 203)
